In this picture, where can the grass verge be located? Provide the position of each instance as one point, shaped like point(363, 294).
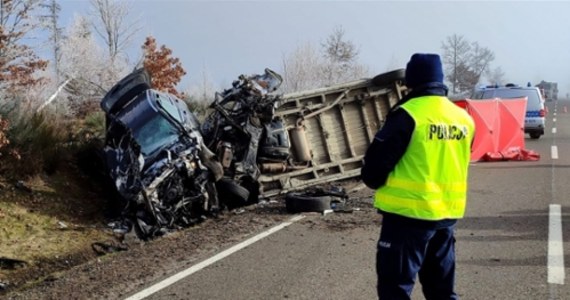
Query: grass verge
point(49, 222)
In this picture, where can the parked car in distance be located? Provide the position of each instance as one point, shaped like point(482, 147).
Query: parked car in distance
point(535, 111)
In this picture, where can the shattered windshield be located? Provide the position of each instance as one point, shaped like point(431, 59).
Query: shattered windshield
point(177, 109)
point(154, 134)
point(150, 129)
point(167, 103)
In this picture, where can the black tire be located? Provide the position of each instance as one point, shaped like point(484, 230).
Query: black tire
point(389, 77)
point(231, 193)
point(253, 187)
point(125, 90)
point(299, 202)
point(535, 136)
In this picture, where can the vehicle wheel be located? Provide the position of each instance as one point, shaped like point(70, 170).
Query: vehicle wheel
point(534, 136)
point(125, 90)
point(253, 187)
point(231, 193)
point(389, 77)
point(299, 202)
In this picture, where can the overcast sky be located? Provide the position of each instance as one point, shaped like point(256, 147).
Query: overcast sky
point(530, 39)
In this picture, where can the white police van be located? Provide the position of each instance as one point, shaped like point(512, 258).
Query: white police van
point(535, 112)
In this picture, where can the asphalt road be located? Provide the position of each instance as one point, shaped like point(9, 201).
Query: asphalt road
point(511, 244)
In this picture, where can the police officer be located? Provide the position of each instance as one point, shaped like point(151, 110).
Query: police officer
point(418, 164)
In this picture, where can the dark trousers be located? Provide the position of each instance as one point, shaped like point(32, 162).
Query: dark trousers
point(405, 251)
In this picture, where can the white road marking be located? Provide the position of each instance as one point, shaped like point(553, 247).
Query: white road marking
point(555, 250)
point(553, 119)
point(554, 152)
point(554, 130)
point(195, 268)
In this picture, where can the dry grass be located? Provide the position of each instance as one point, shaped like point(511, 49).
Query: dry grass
point(46, 227)
point(48, 221)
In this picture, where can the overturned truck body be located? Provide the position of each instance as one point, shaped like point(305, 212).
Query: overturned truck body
point(330, 129)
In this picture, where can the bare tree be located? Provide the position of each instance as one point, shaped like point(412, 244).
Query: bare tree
point(111, 23)
point(81, 63)
point(306, 68)
point(481, 58)
point(341, 58)
point(455, 53)
point(18, 61)
point(339, 53)
point(339, 50)
point(466, 78)
point(50, 20)
point(465, 63)
point(301, 69)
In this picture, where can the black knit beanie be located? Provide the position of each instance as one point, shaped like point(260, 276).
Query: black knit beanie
point(423, 68)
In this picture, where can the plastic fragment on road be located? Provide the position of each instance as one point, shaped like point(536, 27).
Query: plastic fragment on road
point(514, 153)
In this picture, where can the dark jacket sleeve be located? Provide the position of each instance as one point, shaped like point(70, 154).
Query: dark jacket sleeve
point(387, 148)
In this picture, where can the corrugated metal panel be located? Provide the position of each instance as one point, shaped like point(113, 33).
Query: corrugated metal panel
point(333, 128)
point(340, 123)
point(316, 141)
point(356, 128)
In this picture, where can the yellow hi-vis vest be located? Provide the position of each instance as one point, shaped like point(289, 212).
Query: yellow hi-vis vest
point(430, 180)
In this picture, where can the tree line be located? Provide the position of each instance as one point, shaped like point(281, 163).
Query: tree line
point(91, 55)
point(39, 96)
point(78, 61)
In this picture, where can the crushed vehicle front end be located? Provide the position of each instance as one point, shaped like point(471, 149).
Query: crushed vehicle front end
point(237, 131)
point(156, 159)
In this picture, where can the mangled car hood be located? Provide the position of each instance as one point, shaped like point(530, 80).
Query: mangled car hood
point(154, 154)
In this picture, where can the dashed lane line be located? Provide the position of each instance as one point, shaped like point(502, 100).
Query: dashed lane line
point(555, 261)
point(554, 152)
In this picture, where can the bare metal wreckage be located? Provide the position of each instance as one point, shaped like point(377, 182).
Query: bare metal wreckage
point(170, 171)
